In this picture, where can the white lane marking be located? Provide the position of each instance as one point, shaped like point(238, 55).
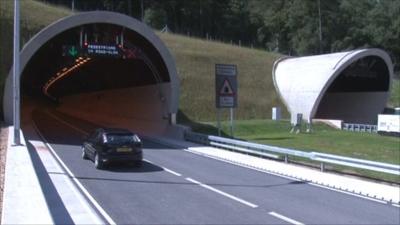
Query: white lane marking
point(288, 177)
point(84, 132)
point(82, 200)
point(164, 168)
point(171, 171)
point(284, 218)
point(67, 124)
point(80, 186)
point(396, 205)
point(222, 193)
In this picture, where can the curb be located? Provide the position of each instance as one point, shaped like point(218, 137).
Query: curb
point(23, 199)
point(39, 191)
point(359, 191)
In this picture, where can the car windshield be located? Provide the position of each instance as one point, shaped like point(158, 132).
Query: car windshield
point(119, 138)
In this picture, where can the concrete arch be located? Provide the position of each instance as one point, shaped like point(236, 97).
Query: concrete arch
point(97, 17)
point(316, 85)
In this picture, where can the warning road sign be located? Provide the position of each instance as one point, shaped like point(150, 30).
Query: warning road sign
point(226, 86)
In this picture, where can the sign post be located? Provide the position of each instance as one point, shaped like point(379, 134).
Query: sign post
point(225, 91)
point(16, 94)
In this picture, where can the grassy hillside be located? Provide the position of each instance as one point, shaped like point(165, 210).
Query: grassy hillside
point(34, 16)
point(394, 100)
point(195, 60)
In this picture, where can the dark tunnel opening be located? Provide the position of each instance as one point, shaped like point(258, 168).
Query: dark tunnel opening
point(368, 74)
point(356, 92)
point(101, 73)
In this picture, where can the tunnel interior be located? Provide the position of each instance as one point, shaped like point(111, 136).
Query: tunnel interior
point(358, 93)
point(100, 72)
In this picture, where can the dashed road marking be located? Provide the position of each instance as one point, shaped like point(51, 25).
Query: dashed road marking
point(164, 168)
point(222, 193)
point(284, 218)
point(287, 177)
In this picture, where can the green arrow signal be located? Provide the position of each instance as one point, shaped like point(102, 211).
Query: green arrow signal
point(73, 51)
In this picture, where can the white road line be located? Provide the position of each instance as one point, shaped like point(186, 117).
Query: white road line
point(171, 171)
point(396, 205)
point(222, 193)
point(288, 177)
point(164, 168)
point(284, 218)
point(67, 124)
point(79, 185)
point(82, 200)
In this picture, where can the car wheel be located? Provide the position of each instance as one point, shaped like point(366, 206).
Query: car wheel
point(98, 162)
point(84, 155)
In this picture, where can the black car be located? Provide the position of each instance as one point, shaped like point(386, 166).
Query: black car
point(106, 145)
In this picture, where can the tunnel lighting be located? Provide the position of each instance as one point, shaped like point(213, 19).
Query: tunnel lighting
point(64, 72)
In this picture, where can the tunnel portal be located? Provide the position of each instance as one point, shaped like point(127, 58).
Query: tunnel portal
point(352, 86)
point(102, 67)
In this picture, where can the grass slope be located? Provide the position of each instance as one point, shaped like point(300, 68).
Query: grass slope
point(33, 17)
point(394, 100)
point(195, 60)
point(323, 139)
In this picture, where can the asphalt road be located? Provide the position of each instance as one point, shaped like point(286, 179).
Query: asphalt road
point(178, 187)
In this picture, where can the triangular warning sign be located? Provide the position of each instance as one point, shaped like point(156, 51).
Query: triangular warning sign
point(226, 88)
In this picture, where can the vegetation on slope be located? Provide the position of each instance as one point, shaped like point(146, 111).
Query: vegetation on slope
point(394, 100)
point(323, 139)
point(195, 60)
point(34, 16)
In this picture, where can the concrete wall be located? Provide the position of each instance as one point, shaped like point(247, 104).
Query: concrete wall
point(139, 109)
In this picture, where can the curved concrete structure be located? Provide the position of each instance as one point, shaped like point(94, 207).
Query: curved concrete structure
point(350, 86)
point(95, 85)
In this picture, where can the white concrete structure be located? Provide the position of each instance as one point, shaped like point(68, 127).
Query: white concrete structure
point(350, 86)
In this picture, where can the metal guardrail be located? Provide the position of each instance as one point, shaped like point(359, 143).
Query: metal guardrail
point(277, 152)
point(360, 127)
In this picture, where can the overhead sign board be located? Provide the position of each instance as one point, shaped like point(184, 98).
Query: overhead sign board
point(226, 86)
point(101, 50)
